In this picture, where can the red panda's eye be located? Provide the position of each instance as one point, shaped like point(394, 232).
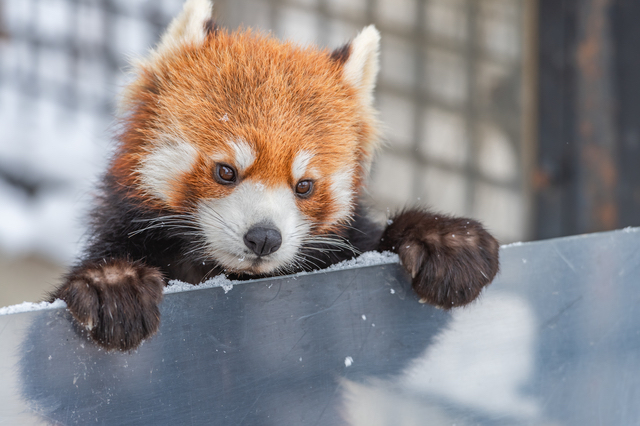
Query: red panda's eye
point(304, 188)
point(225, 174)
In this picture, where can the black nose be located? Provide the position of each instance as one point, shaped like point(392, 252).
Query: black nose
point(263, 241)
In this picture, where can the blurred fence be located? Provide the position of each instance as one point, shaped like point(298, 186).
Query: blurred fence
point(450, 96)
point(449, 93)
point(73, 52)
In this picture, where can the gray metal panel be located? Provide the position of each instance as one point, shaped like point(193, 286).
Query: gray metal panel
point(554, 341)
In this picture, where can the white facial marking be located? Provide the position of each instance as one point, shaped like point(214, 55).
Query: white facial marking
point(300, 164)
point(162, 168)
point(226, 220)
point(243, 154)
point(342, 193)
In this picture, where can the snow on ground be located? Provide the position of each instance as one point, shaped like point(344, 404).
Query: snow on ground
point(59, 150)
point(61, 153)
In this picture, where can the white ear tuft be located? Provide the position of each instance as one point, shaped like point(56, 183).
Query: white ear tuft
point(188, 27)
point(361, 68)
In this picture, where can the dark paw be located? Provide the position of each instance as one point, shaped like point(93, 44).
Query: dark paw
point(450, 259)
point(115, 301)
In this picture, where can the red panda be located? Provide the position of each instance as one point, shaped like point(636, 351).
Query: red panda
point(246, 156)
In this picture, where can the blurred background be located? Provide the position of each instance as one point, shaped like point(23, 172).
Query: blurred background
point(521, 113)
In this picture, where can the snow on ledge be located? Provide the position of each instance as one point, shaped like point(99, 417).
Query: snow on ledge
point(175, 286)
point(516, 244)
point(370, 258)
point(30, 306)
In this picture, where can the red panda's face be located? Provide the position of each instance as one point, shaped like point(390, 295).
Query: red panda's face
point(263, 146)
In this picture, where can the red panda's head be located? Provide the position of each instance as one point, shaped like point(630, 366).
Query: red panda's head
point(262, 144)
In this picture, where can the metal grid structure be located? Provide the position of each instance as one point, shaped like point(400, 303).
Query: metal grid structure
point(73, 52)
point(449, 90)
point(449, 93)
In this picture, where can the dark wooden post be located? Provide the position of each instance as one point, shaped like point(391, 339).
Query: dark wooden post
point(3, 25)
point(596, 140)
point(587, 176)
point(625, 31)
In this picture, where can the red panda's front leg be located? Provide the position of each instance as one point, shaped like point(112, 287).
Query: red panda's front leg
point(115, 300)
point(450, 259)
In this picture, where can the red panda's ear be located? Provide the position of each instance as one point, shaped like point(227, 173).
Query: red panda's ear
point(191, 26)
point(361, 67)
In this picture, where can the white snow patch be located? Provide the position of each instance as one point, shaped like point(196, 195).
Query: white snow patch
point(30, 306)
point(176, 286)
point(370, 258)
point(516, 244)
point(348, 361)
point(366, 259)
point(630, 229)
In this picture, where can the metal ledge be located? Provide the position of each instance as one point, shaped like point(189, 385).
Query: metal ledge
point(554, 341)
